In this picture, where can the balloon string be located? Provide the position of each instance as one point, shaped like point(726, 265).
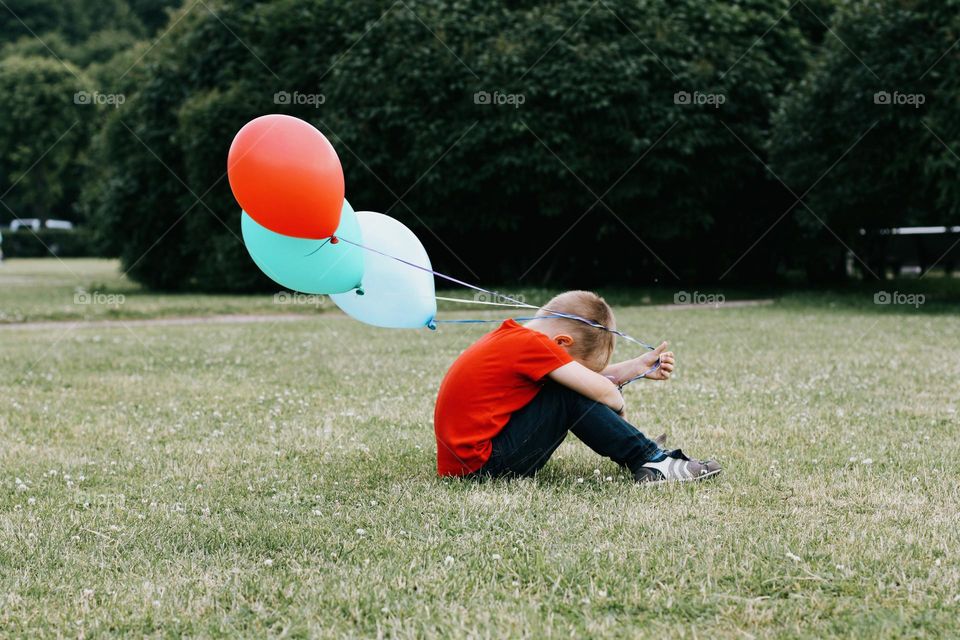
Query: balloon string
point(528, 318)
point(518, 303)
point(465, 301)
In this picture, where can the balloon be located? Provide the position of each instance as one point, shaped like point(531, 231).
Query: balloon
point(394, 295)
point(286, 176)
point(310, 266)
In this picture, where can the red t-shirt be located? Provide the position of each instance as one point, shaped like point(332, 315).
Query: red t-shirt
point(493, 378)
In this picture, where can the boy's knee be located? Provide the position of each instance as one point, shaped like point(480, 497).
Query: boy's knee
point(571, 398)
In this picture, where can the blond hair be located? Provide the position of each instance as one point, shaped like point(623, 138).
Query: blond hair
point(592, 346)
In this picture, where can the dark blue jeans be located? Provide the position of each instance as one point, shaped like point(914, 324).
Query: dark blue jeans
point(535, 431)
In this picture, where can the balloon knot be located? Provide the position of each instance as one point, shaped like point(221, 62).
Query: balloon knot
point(334, 239)
point(432, 325)
point(360, 291)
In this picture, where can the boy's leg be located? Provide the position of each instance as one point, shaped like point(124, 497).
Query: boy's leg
point(535, 431)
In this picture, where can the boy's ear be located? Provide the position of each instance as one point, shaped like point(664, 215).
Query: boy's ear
point(563, 339)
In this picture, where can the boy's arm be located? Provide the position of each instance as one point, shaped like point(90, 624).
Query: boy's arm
point(590, 384)
point(623, 371)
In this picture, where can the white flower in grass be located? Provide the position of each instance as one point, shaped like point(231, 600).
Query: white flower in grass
point(579, 480)
point(853, 458)
point(448, 560)
point(31, 501)
point(361, 532)
point(497, 556)
point(868, 461)
point(268, 562)
point(794, 557)
point(317, 512)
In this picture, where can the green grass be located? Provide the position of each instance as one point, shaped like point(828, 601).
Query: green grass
point(277, 478)
point(45, 289)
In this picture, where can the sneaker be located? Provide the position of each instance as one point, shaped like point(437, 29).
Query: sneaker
point(676, 467)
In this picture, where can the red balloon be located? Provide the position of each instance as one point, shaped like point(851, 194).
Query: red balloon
point(286, 176)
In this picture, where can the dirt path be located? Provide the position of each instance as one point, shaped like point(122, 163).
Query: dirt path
point(293, 317)
point(732, 304)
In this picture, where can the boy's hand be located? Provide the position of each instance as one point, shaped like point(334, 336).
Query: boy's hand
point(667, 362)
point(621, 372)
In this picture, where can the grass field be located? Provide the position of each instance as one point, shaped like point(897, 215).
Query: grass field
point(277, 478)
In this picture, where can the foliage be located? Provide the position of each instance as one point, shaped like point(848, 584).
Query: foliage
point(63, 243)
point(473, 180)
point(73, 20)
point(868, 163)
point(41, 134)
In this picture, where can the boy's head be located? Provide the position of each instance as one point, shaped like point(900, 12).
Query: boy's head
point(590, 346)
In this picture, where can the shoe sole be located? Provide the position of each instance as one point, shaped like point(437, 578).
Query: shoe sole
point(676, 480)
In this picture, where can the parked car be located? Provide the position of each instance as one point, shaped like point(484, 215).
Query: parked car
point(58, 224)
point(25, 223)
point(36, 224)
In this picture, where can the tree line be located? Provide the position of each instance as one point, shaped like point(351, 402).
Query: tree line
point(564, 142)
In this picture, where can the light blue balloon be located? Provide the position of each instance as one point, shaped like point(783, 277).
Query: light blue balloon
point(302, 264)
point(394, 295)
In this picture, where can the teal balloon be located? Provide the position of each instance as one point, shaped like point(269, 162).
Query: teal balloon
point(394, 294)
point(302, 264)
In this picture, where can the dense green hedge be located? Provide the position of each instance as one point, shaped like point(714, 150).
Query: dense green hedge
point(64, 243)
point(880, 107)
point(491, 190)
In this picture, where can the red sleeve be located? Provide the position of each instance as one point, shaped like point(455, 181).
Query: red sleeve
point(537, 355)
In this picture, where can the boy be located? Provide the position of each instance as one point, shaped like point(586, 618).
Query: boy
point(509, 400)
